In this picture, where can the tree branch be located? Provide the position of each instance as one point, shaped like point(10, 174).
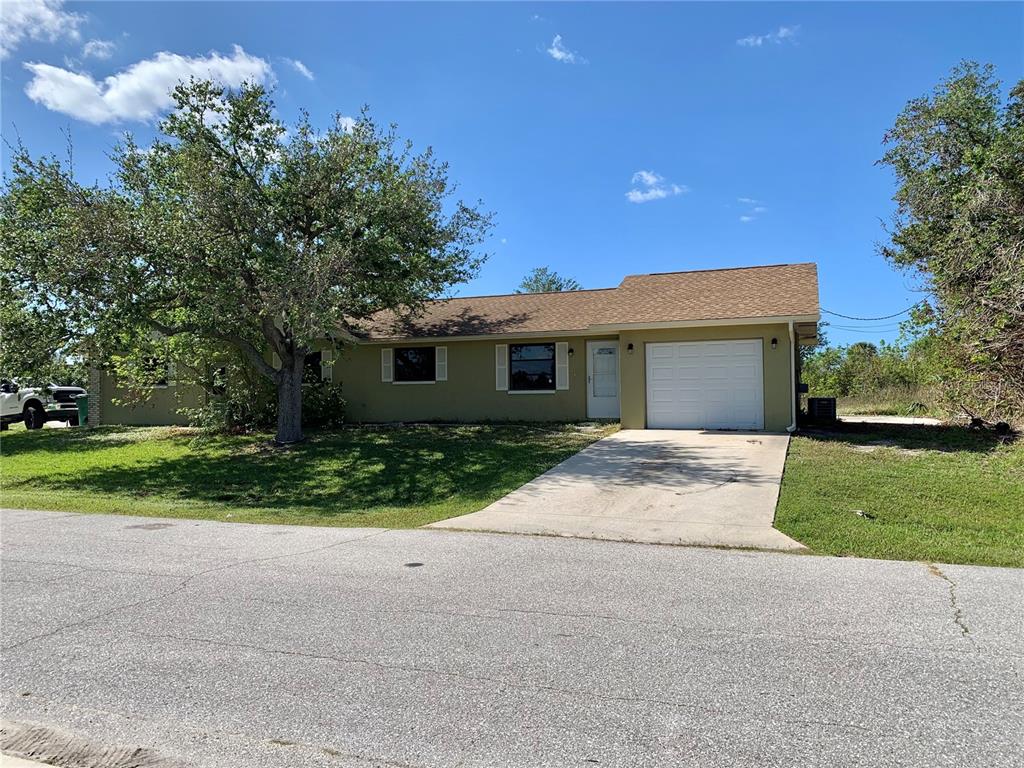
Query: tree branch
point(247, 348)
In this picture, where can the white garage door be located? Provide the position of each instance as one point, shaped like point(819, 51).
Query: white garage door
point(705, 385)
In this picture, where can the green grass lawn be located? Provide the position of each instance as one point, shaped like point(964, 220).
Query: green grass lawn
point(358, 476)
point(935, 494)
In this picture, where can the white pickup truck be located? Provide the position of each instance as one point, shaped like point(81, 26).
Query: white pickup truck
point(37, 405)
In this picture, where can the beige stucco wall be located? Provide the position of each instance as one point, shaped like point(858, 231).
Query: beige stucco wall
point(777, 388)
point(469, 394)
point(160, 408)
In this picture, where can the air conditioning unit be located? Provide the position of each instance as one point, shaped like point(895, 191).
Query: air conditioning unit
point(821, 410)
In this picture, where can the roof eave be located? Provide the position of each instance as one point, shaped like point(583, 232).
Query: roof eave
point(599, 329)
point(706, 322)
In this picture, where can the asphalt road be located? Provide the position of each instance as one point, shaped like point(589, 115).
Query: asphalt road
point(209, 644)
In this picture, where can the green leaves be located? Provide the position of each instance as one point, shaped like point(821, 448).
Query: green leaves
point(544, 280)
point(958, 156)
point(233, 231)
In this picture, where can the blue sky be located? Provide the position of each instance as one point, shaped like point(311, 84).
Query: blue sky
point(608, 138)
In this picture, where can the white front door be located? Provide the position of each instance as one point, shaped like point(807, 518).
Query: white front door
point(602, 379)
point(705, 385)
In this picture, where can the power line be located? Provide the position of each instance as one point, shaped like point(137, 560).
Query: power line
point(863, 329)
point(867, 319)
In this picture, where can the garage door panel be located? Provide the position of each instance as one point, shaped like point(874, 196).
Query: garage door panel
point(708, 384)
point(663, 374)
point(663, 397)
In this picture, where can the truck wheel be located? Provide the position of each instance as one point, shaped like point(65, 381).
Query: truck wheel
point(34, 417)
point(73, 421)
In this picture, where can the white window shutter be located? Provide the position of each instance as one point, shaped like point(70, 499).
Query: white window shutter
point(440, 363)
point(501, 367)
point(327, 365)
point(561, 365)
point(172, 373)
point(387, 364)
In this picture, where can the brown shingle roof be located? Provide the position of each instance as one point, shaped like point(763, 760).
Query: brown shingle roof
point(714, 294)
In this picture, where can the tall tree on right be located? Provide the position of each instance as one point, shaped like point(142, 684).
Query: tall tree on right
point(958, 157)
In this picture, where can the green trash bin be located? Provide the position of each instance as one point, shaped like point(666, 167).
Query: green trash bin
point(83, 409)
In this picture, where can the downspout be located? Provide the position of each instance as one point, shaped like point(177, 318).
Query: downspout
point(792, 379)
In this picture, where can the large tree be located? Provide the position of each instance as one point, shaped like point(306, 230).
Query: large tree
point(34, 351)
point(544, 280)
point(232, 231)
point(958, 157)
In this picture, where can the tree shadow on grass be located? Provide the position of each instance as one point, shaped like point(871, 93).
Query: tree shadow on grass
point(925, 437)
point(341, 472)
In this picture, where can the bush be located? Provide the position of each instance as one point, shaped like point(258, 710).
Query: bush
point(894, 378)
point(322, 405)
point(239, 400)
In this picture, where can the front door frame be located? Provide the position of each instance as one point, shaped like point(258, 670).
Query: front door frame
point(591, 411)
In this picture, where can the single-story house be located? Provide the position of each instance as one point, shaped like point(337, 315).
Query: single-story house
point(715, 349)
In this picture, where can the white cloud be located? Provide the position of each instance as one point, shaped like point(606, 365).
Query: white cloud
point(99, 49)
point(780, 36)
point(754, 209)
point(39, 20)
point(346, 123)
point(559, 52)
point(649, 185)
point(647, 178)
point(301, 68)
point(140, 92)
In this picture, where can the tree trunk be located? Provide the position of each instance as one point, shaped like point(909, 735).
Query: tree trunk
point(289, 402)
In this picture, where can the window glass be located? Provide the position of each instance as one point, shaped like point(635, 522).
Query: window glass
point(531, 367)
point(414, 364)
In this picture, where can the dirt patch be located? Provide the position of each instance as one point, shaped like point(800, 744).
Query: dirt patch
point(874, 445)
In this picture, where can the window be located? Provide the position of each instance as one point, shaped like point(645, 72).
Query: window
point(311, 368)
point(219, 381)
point(415, 363)
point(531, 367)
point(157, 371)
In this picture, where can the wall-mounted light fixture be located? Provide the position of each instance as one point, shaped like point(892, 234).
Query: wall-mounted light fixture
point(629, 348)
point(775, 343)
point(571, 351)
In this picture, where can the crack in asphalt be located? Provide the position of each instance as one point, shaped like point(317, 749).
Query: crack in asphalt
point(88, 568)
point(184, 585)
point(671, 628)
point(954, 603)
point(502, 684)
point(335, 752)
point(383, 611)
point(668, 628)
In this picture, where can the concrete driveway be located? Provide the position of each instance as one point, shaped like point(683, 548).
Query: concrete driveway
point(173, 643)
point(653, 485)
